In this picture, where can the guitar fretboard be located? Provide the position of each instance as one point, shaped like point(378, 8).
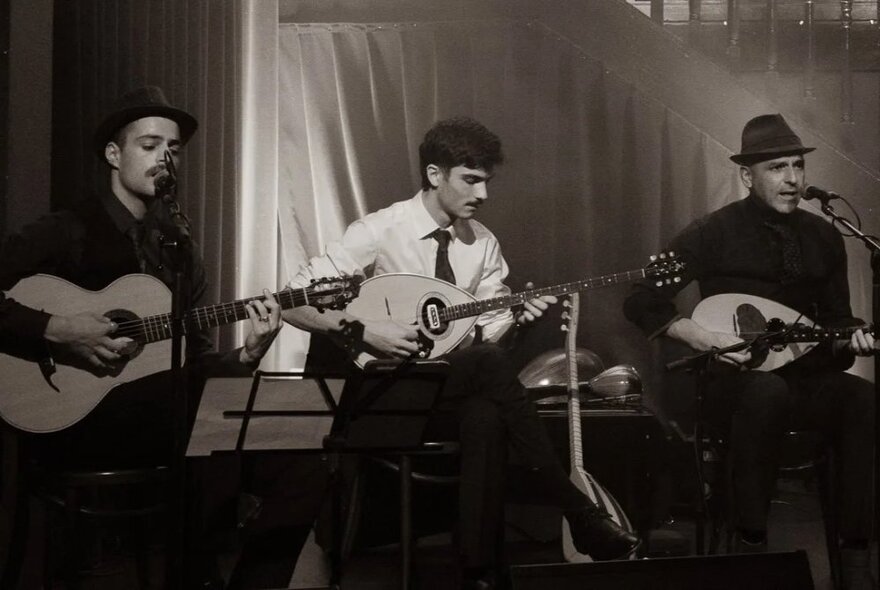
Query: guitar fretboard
point(158, 327)
point(472, 308)
point(811, 334)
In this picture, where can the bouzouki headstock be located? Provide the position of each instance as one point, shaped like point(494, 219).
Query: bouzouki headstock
point(665, 268)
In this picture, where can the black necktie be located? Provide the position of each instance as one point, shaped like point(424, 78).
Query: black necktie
point(136, 234)
point(792, 264)
point(442, 269)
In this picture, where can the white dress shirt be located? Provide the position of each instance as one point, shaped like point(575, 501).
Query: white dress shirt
point(398, 239)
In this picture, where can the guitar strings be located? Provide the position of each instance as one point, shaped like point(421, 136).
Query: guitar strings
point(143, 328)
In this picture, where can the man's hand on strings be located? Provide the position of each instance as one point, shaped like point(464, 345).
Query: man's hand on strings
point(862, 343)
point(391, 338)
point(265, 320)
point(87, 336)
point(534, 308)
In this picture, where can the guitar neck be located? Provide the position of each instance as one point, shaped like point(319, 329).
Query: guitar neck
point(474, 308)
point(811, 334)
point(574, 393)
point(158, 327)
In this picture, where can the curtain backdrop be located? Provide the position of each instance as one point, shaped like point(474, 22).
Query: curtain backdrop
point(597, 176)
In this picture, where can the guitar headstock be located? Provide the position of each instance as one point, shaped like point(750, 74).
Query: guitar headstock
point(333, 292)
point(665, 268)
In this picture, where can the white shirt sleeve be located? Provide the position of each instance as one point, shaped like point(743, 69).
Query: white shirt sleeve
point(494, 324)
point(350, 256)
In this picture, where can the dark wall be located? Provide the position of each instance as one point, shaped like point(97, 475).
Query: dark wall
point(4, 111)
point(28, 120)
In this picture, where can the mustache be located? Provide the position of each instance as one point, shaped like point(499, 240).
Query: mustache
point(156, 170)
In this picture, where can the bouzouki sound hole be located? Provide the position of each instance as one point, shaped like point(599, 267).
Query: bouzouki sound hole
point(430, 309)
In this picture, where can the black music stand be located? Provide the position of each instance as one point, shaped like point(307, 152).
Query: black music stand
point(382, 409)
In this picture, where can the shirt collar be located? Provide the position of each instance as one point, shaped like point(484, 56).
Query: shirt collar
point(767, 214)
point(121, 216)
point(422, 223)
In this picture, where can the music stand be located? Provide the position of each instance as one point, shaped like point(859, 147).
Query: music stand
point(282, 412)
point(383, 408)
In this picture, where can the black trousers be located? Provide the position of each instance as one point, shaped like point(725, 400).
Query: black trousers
point(133, 427)
point(485, 407)
point(757, 408)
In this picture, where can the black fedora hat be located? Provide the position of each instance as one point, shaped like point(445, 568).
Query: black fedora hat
point(146, 101)
point(766, 137)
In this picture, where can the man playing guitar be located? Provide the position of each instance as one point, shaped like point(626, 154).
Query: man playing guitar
point(93, 242)
point(486, 407)
point(765, 246)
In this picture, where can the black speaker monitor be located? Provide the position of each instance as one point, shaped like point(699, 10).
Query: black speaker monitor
point(776, 571)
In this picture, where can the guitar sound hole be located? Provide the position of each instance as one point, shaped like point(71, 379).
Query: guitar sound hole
point(122, 319)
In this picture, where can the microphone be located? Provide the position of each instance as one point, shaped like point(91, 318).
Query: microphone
point(166, 189)
point(165, 182)
point(814, 192)
point(165, 186)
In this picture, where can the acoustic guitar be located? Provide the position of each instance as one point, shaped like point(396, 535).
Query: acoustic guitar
point(46, 391)
point(785, 334)
point(444, 314)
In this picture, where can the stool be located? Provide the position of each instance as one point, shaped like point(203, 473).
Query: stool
point(403, 466)
point(67, 491)
point(799, 459)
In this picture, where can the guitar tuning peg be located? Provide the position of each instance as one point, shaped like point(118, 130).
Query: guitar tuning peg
point(652, 258)
point(658, 284)
point(677, 280)
point(662, 255)
point(671, 254)
point(565, 315)
point(566, 302)
point(564, 327)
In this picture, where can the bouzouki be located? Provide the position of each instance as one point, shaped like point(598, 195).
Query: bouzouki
point(45, 391)
point(585, 482)
point(785, 334)
point(445, 314)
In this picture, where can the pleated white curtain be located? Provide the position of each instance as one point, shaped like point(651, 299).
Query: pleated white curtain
point(597, 176)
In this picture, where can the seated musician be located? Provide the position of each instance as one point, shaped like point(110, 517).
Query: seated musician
point(483, 405)
point(93, 242)
point(765, 246)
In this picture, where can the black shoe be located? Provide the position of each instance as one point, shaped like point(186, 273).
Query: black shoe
point(595, 534)
point(486, 582)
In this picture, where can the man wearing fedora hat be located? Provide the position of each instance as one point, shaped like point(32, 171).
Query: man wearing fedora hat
point(764, 245)
point(98, 239)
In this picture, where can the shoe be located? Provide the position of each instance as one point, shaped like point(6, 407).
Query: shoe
point(756, 545)
point(484, 582)
point(595, 534)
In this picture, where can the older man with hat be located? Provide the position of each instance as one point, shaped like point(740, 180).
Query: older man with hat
point(765, 245)
point(99, 238)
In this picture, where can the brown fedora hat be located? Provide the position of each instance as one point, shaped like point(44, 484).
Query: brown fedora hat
point(766, 137)
point(146, 101)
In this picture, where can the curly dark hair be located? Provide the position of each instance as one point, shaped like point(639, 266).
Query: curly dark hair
point(460, 141)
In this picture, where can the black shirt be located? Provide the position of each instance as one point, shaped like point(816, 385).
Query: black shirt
point(734, 250)
point(90, 246)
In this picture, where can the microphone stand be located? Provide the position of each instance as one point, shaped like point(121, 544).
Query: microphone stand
point(700, 364)
point(179, 245)
point(873, 247)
